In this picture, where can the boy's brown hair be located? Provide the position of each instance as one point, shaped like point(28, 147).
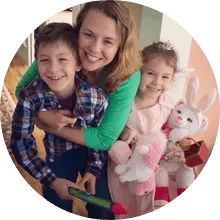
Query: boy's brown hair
point(54, 32)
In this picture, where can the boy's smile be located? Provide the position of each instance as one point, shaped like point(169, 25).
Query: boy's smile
point(57, 65)
point(55, 78)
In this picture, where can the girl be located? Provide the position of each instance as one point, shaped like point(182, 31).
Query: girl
point(107, 43)
point(151, 102)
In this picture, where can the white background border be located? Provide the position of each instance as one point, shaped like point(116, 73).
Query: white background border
point(18, 18)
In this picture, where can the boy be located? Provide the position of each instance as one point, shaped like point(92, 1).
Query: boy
point(58, 87)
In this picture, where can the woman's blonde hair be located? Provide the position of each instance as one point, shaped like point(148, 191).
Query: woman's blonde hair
point(127, 60)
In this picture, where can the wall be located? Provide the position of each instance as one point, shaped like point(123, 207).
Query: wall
point(23, 51)
point(136, 11)
point(173, 32)
point(151, 21)
point(199, 61)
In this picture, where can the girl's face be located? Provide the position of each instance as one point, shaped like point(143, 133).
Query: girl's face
point(98, 41)
point(57, 65)
point(157, 75)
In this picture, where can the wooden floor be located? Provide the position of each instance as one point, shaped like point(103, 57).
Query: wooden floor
point(15, 71)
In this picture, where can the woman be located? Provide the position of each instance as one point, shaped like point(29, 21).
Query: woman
point(108, 51)
point(116, 74)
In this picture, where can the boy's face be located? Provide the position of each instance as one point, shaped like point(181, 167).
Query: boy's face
point(157, 75)
point(57, 65)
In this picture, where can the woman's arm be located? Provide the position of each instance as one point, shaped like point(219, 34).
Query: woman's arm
point(31, 74)
point(115, 118)
point(75, 135)
point(116, 115)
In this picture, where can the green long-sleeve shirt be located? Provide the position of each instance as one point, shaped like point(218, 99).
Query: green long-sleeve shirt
point(116, 115)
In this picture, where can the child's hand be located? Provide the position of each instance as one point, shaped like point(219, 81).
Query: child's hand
point(186, 142)
point(126, 134)
point(133, 142)
point(61, 185)
point(88, 182)
point(56, 119)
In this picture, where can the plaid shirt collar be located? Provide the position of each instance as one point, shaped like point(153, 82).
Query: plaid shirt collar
point(88, 97)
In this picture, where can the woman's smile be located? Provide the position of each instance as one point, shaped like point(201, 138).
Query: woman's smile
point(91, 58)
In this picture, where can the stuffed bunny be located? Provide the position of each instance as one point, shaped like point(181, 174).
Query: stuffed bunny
point(138, 166)
point(176, 90)
point(184, 120)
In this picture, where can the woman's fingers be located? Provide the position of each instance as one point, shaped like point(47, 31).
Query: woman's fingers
point(67, 117)
point(66, 113)
point(69, 121)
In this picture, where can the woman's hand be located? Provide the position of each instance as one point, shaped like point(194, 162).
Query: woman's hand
point(54, 119)
point(40, 124)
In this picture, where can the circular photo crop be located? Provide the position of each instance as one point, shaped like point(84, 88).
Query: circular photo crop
point(109, 110)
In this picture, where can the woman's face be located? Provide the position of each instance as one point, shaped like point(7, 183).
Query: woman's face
point(98, 41)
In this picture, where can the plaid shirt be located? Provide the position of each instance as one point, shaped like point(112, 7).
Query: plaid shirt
point(36, 96)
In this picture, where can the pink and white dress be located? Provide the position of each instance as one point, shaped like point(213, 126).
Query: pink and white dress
point(153, 118)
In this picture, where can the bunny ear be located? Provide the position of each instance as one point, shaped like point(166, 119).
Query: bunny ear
point(176, 90)
point(204, 123)
point(193, 86)
point(183, 73)
point(206, 102)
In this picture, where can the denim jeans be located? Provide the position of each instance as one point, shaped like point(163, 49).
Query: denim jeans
point(67, 166)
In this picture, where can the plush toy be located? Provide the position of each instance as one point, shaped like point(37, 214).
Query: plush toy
point(120, 151)
point(184, 120)
point(176, 90)
point(138, 167)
